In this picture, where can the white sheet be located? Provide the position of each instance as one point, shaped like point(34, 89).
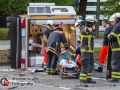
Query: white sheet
point(67, 64)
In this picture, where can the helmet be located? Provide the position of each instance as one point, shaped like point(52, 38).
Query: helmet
point(78, 22)
point(112, 19)
point(50, 22)
point(116, 15)
point(59, 28)
point(90, 18)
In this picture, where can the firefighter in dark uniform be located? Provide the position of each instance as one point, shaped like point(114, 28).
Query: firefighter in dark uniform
point(87, 45)
point(46, 33)
point(114, 37)
point(54, 49)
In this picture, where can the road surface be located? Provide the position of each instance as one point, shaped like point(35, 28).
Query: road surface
point(42, 81)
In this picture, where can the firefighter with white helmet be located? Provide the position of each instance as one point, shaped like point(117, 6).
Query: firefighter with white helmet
point(87, 45)
point(47, 31)
point(112, 20)
point(78, 24)
point(114, 37)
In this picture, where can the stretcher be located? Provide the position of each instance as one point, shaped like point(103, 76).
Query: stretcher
point(67, 66)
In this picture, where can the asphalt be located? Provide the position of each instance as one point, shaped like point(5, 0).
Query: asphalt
point(42, 81)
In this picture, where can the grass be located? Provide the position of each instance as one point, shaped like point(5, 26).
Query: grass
point(4, 33)
point(101, 34)
point(97, 53)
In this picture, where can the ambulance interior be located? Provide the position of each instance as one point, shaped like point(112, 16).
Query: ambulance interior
point(36, 28)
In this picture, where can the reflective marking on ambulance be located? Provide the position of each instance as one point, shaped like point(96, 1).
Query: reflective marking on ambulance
point(23, 39)
point(23, 42)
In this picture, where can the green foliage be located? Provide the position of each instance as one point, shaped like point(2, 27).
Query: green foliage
point(20, 6)
point(77, 10)
point(110, 7)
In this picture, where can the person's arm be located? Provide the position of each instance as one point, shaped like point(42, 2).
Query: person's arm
point(64, 40)
point(45, 34)
point(112, 36)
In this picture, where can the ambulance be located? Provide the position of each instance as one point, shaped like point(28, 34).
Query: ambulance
point(33, 25)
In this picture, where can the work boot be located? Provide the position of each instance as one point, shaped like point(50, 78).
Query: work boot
point(91, 81)
point(48, 71)
point(53, 72)
point(113, 80)
point(83, 84)
point(100, 69)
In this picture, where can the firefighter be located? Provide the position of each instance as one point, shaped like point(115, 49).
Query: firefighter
point(112, 21)
point(105, 47)
point(87, 45)
point(54, 49)
point(47, 31)
point(114, 37)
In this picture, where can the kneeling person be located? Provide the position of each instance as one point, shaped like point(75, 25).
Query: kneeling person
point(53, 50)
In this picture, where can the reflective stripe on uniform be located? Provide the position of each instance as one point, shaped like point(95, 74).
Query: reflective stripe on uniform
point(89, 75)
point(53, 71)
point(116, 75)
point(118, 39)
point(85, 30)
point(83, 76)
point(112, 34)
point(115, 49)
point(89, 39)
point(52, 51)
point(84, 50)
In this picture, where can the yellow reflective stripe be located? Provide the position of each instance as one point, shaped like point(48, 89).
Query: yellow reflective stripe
point(113, 76)
point(89, 74)
point(112, 34)
point(52, 52)
point(115, 49)
point(89, 77)
point(83, 78)
point(85, 30)
point(83, 50)
point(89, 41)
point(79, 39)
point(53, 71)
point(47, 70)
point(86, 36)
point(83, 75)
point(118, 38)
point(115, 73)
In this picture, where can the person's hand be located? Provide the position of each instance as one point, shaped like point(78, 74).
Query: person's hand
point(90, 29)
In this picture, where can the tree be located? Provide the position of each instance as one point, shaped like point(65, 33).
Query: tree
point(20, 6)
point(110, 7)
point(82, 8)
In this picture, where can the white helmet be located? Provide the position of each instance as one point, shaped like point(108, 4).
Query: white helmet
point(50, 22)
point(90, 18)
point(78, 22)
point(111, 19)
point(116, 15)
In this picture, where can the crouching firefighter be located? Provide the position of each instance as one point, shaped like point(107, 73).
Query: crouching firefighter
point(87, 58)
point(114, 37)
point(54, 49)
